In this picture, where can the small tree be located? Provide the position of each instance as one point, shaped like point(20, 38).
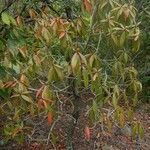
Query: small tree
point(55, 55)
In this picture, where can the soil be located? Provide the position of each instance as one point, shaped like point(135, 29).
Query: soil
point(41, 137)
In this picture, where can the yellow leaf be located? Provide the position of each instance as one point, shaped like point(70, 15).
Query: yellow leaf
point(59, 72)
point(27, 98)
point(24, 80)
point(23, 51)
point(74, 61)
point(83, 59)
point(91, 60)
point(21, 88)
point(46, 34)
point(47, 93)
point(37, 60)
point(95, 76)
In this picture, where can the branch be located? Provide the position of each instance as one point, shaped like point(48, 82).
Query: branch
point(51, 7)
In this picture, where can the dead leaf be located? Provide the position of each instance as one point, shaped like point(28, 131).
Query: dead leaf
point(87, 133)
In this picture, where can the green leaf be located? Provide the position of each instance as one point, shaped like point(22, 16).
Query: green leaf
point(95, 108)
point(116, 90)
point(2, 72)
point(115, 39)
point(114, 101)
point(135, 130)
point(12, 20)
point(1, 45)
point(122, 39)
point(141, 131)
point(5, 93)
point(136, 46)
point(51, 74)
point(85, 77)
point(8, 19)
point(5, 18)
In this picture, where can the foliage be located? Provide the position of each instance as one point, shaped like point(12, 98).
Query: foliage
point(143, 57)
point(91, 47)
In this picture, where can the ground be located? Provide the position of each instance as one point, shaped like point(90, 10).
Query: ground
point(100, 140)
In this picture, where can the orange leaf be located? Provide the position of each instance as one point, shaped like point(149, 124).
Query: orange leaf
point(14, 84)
point(62, 34)
point(87, 6)
point(15, 132)
point(32, 13)
point(39, 91)
point(50, 118)
point(87, 133)
point(8, 84)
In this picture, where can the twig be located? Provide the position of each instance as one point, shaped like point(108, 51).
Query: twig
point(137, 143)
point(100, 38)
point(50, 131)
point(60, 90)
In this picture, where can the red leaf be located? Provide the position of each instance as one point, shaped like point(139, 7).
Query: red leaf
point(87, 133)
point(50, 118)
